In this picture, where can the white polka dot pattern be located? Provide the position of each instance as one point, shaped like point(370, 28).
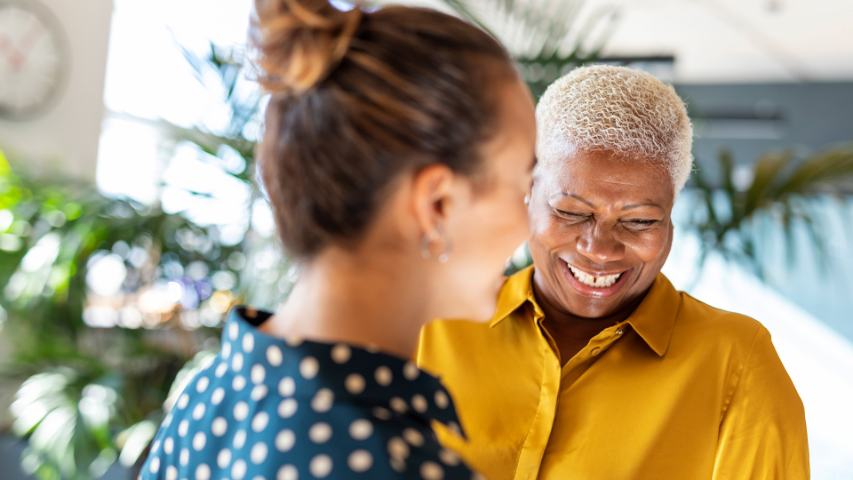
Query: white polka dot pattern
point(260, 422)
point(202, 472)
point(287, 472)
point(284, 440)
point(219, 427)
point(361, 429)
point(384, 376)
point(286, 387)
point(271, 409)
point(274, 356)
point(258, 374)
point(239, 439)
point(323, 400)
point(360, 461)
point(309, 368)
point(320, 432)
point(354, 384)
point(341, 353)
point(217, 396)
point(321, 466)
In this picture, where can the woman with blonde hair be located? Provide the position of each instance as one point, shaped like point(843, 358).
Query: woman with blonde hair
point(595, 366)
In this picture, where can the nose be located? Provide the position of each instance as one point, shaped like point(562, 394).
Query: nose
point(600, 245)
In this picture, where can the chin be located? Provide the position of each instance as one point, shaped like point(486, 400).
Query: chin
point(583, 308)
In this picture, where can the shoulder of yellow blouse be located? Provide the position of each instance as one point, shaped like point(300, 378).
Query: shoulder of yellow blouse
point(723, 323)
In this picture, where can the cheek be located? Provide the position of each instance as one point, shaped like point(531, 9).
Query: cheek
point(651, 248)
point(495, 228)
point(539, 224)
point(549, 232)
point(512, 225)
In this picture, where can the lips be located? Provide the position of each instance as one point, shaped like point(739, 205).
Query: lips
point(594, 283)
point(595, 280)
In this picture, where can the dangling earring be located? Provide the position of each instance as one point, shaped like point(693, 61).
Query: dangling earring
point(425, 253)
point(527, 199)
point(426, 246)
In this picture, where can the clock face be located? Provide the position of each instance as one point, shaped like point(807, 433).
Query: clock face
point(31, 58)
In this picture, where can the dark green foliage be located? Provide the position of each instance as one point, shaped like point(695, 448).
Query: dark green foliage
point(781, 188)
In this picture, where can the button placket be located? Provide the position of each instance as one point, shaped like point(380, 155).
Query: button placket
point(599, 345)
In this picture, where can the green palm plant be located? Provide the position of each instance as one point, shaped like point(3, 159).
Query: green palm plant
point(84, 384)
point(779, 189)
point(224, 70)
point(92, 395)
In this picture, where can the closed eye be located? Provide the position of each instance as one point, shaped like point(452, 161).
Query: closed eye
point(640, 224)
point(572, 215)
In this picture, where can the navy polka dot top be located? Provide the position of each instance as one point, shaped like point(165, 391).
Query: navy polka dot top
point(270, 408)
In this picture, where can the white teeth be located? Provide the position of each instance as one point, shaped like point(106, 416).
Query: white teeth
point(603, 281)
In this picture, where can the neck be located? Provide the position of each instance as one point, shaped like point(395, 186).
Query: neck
point(572, 332)
point(358, 298)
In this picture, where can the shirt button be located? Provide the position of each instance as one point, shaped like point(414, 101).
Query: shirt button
point(595, 351)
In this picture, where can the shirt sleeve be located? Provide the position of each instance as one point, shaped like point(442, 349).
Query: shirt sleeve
point(763, 430)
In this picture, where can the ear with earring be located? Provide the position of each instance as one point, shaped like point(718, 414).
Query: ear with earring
point(429, 240)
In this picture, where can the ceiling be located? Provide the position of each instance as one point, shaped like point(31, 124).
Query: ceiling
point(713, 40)
point(741, 40)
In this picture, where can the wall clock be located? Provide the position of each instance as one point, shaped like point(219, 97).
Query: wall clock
point(32, 59)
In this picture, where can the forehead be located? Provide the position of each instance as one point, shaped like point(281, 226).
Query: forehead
point(608, 177)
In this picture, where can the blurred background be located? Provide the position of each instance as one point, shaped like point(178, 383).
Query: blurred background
point(130, 223)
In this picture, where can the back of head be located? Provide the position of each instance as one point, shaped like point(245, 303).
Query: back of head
point(359, 98)
point(616, 109)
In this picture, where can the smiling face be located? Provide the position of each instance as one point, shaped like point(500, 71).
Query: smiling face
point(600, 231)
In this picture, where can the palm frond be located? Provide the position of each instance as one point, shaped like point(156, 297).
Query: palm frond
point(66, 415)
point(784, 192)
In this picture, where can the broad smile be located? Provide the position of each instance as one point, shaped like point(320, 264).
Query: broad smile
point(592, 283)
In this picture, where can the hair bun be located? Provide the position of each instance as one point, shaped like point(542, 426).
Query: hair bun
point(300, 42)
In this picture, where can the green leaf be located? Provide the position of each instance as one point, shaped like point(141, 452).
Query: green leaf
point(784, 191)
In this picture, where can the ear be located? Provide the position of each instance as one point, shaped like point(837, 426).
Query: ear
point(432, 198)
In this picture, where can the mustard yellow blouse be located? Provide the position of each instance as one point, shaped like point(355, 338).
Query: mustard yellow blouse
point(680, 390)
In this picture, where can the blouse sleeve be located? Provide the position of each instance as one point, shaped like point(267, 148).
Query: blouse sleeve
point(763, 429)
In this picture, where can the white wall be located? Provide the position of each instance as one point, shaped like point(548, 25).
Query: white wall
point(66, 137)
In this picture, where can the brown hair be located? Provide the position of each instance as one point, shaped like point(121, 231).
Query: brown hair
point(358, 98)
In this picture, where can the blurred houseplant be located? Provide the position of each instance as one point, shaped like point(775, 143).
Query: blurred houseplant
point(743, 212)
point(105, 300)
point(89, 284)
point(547, 38)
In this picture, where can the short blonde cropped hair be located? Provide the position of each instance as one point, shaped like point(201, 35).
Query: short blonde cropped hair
point(616, 109)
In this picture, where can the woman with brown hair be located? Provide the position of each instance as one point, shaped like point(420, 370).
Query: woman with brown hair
point(398, 151)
